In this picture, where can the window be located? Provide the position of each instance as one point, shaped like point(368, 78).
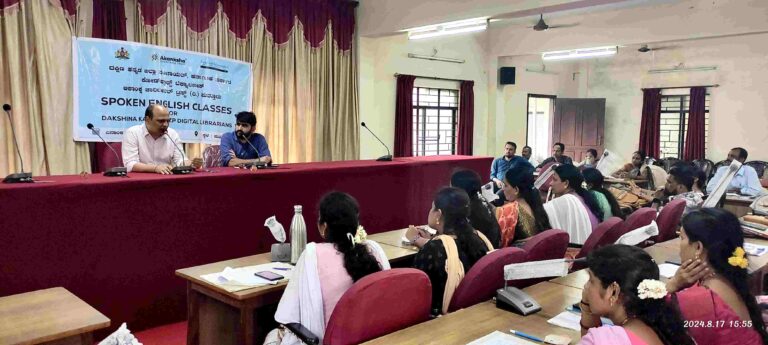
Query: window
point(674, 123)
point(540, 111)
point(434, 121)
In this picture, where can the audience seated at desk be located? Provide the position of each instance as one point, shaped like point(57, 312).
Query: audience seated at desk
point(590, 159)
point(455, 249)
point(523, 215)
point(150, 147)
point(482, 215)
point(745, 182)
point(624, 287)
point(606, 200)
point(710, 287)
point(325, 271)
point(244, 145)
point(574, 209)
point(557, 156)
point(635, 170)
point(680, 185)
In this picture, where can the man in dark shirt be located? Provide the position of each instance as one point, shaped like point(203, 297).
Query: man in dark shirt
point(244, 145)
point(557, 156)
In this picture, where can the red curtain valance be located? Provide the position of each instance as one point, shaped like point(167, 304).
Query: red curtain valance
point(314, 15)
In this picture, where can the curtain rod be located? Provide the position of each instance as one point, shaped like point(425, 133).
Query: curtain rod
point(680, 87)
point(433, 78)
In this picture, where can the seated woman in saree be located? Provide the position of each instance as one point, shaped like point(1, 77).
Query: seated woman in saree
point(325, 271)
point(574, 209)
point(456, 248)
point(523, 215)
point(482, 215)
point(624, 287)
point(710, 288)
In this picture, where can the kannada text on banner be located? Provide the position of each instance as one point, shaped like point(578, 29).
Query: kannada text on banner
point(116, 80)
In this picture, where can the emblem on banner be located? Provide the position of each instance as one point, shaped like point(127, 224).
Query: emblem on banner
point(122, 54)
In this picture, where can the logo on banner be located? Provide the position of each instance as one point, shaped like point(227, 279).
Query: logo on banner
point(122, 54)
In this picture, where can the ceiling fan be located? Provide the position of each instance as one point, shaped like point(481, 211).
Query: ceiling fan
point(644, 48)
point(542, 26)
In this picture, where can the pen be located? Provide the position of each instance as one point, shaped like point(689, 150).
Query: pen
point(672, 262)
point(281, 268)
point(526, 336)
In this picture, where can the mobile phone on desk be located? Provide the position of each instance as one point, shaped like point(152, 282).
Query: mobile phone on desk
point(271, 276)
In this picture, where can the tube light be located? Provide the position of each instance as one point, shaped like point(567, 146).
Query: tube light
point(579, 53)
point(683, 69)
point(450, 28)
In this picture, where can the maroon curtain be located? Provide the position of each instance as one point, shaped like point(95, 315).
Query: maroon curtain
point(108, 22)
point(694, 138)
point(650, 123)
point(466, 118)
point(404, 116)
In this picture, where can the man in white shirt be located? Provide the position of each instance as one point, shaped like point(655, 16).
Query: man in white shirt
point(147, 148)
point(745, 182)
point(527, 152)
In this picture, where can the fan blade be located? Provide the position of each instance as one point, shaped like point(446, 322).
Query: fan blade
point(563, 26)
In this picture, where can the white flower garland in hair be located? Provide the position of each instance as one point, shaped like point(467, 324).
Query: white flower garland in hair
point(651, 288)
point(360, 236)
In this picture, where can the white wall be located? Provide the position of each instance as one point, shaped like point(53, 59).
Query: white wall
point(381, 58)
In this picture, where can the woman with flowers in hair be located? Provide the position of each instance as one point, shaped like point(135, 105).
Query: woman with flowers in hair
point(624, 287)
point(455, 249)
point(710, 287)
point(325, 271)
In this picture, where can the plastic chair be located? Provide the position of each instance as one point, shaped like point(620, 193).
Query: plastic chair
point(212, 156)
point(669, 220)
point(372, 307)
point(484, 278)
point(606, 233)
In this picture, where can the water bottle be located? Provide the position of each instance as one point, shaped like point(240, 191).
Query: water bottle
point(298, 234)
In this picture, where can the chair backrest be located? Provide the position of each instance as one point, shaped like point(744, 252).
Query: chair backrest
point(639, 218)
point(484, 278)
point(717, 166)
point(669, 220)
point(372, 307)
point(545, 177)
point(550, 244)
point(107, 158)
point(604, 234)
point(759, 167)
point(669, 162)
point(212, 156)
point(705, 165)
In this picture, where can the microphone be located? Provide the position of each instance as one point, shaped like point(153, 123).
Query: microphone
point(22, 177)
point(182, 169)
point(114, 171)
point(257, 164)
point(388, 157)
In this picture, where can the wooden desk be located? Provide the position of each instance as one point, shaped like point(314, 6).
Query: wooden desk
point(393, 238)
point(485, 318)
point(575, 279)
point(737, 205)
point(50, 316)
point(216, 316)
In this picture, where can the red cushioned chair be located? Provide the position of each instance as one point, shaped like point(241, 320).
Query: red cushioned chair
point(107, 158)
point(606, 233)
point(377, 304)
point(669, 220)
point(484, 278)
point(547, 245)
point(642, 217)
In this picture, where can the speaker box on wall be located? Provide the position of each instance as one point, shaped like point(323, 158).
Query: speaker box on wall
point(507, 76)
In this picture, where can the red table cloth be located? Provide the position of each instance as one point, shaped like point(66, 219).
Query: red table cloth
point(116, 242)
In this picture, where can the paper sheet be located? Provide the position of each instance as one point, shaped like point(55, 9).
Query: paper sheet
point(571, 320)
point(487, 192)
point(500, 338)
point(545, 175)
point(609, 162)
point(668, 270)
point(755, 249)
point(639, 235)
point(241, 278)
point(536, 269)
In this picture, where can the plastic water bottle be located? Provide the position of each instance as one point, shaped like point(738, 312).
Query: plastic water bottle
point(298, 234)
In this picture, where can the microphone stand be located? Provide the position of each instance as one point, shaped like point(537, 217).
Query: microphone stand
point(258, 163)
point(388, 157)
point(181, 169)
point(22, 177)
point(114, 171)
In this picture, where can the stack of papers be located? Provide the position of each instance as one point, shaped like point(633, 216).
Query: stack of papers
point(500, 338)
point(668, 270)
point(241, 278)
point(571, 319)
point(755, 249)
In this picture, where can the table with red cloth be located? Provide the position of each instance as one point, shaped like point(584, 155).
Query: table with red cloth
point(116, 241)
